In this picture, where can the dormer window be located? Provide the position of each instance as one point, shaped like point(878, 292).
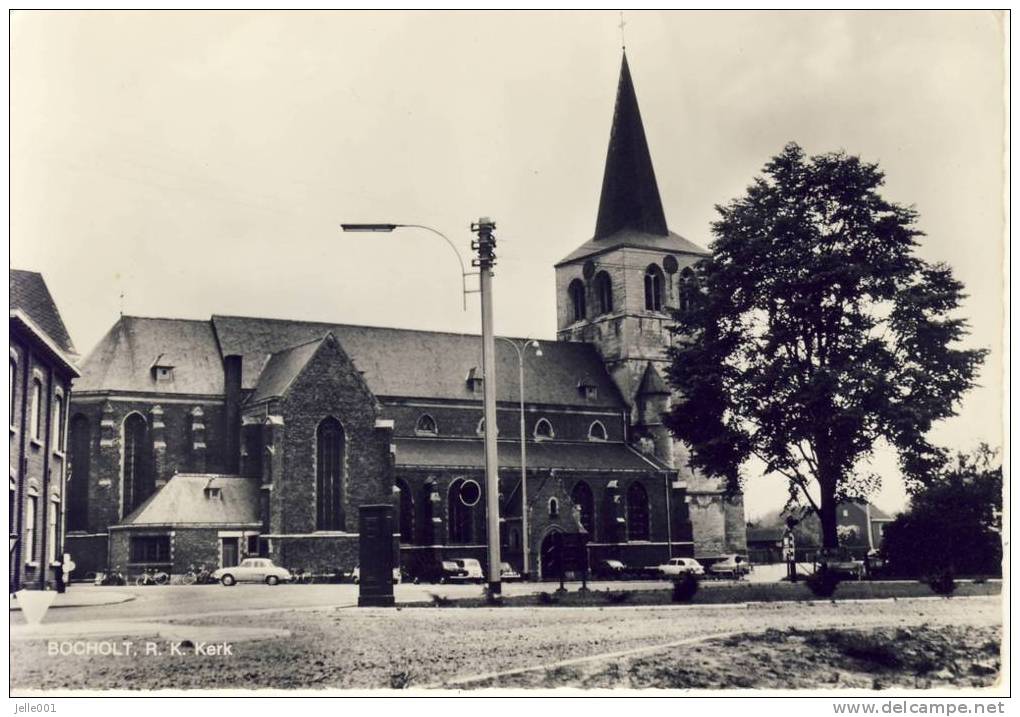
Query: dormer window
point(162, 370)
point(474, 379)
point(543, 430)
point(587, 390)
point(597, 432)
point(426, 426)
point(213, 492)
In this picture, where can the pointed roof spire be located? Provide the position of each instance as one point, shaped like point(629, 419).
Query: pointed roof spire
point(630, 195)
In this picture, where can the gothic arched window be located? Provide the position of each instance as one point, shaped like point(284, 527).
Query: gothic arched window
point(654, 284)
point(136, 477)
point(597, 432)
point(585, 502)
point(461, 516)
point(78, 484)
point(604, 293)
point(576, 292)
point(637, 512)
point(426, 425)
point(687, 289)
point(331, 445)
point(406, 512)
point(543, 430)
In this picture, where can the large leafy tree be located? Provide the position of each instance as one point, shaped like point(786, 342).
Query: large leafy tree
point(816, 332)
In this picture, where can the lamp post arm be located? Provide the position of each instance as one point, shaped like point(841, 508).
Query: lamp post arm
point(463, 270)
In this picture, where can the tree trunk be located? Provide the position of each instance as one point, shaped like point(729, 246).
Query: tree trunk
point(827, 516)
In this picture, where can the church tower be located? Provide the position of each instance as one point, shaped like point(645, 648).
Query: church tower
point(618, 290)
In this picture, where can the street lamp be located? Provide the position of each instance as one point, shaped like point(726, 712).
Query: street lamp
point(520, 349)
point(386, 228)
point(485, 245)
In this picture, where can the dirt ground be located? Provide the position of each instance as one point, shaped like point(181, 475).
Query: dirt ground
point(883, 658)
point(457, 648)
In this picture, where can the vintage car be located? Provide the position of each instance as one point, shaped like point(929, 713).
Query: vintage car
point(507, 573)
point(679, 566)
point(355, 577)
point(611, 570)
point(472, 570)
point(732, 566)
point(252, 570)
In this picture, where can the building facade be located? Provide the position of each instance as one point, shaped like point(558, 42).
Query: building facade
point(40, 371)
point(293, 425)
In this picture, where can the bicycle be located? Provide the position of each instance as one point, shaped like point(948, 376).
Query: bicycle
point(200, 577)
point(152, 577)
point(301, 577)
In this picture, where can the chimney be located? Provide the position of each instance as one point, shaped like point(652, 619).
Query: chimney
point(232, 412)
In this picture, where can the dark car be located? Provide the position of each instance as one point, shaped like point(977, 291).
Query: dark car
point(444, 571)
point(611, 570)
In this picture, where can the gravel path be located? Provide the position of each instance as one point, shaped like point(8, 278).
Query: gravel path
point(361, 648)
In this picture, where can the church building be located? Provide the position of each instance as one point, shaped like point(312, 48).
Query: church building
point(204, 441)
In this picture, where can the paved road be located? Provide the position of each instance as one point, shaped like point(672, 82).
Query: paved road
point(180, 601)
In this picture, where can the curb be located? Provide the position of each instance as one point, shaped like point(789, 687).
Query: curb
point(125, 597)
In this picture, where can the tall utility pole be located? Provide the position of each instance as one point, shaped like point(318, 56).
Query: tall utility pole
point(485, 245)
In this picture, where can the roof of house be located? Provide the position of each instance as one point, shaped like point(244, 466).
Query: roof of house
point(764, 535)
point(426, 364)
point(185, 500)
point(29, 294)
point(282, 368)
point(470, 453)
point(123, 359)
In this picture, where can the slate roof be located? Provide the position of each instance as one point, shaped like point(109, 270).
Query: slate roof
point(652, 383)
point(764, 535)
point(184, 500)
point(123, 359)
point(470, 453)
point(282, 368)
point(426, 364)
point(29, 293)
point(630, 194)
point(629, 238)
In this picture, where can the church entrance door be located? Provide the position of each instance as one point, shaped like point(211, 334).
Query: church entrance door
point(549, 565)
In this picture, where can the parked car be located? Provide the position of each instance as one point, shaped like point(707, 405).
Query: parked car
point(398, 577)
point(507, 573)
point(845, 568)
point(611, 570)
point(679, 566)
point(732, 566)
point(252, 570)
point(472, 569)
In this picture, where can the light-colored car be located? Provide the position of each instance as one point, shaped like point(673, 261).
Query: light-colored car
point(252, 570)
point(679, 566)
point(732, 566)
point(472, 569)
point(507, 573)
point(398, 577)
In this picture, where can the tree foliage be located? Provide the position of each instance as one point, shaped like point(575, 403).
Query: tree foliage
point(954, 524)
point(817, 332)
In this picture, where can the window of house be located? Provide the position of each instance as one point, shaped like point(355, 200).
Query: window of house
point(150, 549)
point(426, 425)
point(597, 431)
point(576, 292)
point(332, 445)
point(474, 379)
point(554, 508)
point(654, 285)
point(543, 430)
point(58, 422)
point(637, 512)
point(51, 530)
point(604, 292)
point(33, 508)
point(12, 386)
point(37, 414)
point(253, 545)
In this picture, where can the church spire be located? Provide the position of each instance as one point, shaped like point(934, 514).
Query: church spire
point(630, 195)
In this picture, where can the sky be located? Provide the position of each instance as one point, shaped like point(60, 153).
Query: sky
point(201, 162)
